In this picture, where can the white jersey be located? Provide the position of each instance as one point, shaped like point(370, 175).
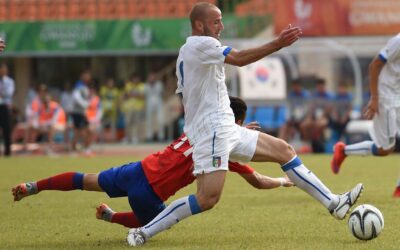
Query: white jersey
point(389, 77)
point(201, 80)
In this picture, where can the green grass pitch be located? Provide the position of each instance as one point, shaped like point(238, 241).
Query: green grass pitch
point(245, 218)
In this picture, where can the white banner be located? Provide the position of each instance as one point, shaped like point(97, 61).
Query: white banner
point(263, 80)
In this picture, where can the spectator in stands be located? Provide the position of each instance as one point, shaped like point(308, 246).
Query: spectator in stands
point(133, 107)
point(340, 113)
point(67, 102)
point(298, 102)
point(109, 94)
point(32, 115)
point(31, 93)
point(317, 118)
point(154, 105)
point(50, 119)
point(66, 99)
point(7, 88)
point(81, 100)
point(94, 113)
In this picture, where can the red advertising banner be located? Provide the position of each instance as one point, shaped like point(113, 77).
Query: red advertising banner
point(338, 17)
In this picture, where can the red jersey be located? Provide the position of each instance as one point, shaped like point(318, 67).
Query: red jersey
point(172, 169)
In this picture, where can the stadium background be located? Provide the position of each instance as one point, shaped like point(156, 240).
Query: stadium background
point(51, 42)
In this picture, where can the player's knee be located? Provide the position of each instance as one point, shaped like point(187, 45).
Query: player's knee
point(286, 150)
point(90, 182)
point(208, 201)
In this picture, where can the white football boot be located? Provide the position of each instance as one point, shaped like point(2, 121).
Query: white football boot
point(346, 201)
point(135, 237)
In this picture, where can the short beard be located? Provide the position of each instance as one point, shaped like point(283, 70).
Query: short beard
point(207, 32)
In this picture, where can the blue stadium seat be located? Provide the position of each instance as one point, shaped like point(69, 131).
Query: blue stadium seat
point(265, 116)
point(269, 117)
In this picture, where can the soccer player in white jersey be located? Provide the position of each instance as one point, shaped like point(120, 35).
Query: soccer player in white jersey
point(211, 129)
point(383, 108)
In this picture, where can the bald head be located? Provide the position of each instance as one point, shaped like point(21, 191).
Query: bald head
point(206, 20)
point(199, 12)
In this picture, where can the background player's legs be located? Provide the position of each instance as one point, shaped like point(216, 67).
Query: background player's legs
point(209, 190)
point(62, 182)
point(272, 149)
point(384, 137)
point(383, 134)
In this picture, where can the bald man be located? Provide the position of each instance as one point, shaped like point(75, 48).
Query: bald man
point(211, 128)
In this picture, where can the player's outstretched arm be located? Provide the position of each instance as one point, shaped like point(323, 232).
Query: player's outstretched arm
point(2, 45)
point(374, 70)
point(260, 181)
point(244, 57)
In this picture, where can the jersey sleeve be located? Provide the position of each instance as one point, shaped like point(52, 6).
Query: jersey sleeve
point(179, 74)
point(391, 50)
point(239, 168)
point(210, 51)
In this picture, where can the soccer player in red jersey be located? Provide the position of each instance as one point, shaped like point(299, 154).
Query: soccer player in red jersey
point(147, 183)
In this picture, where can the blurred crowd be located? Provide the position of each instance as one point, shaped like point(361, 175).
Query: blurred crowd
point(88, 111)
point(317, 116)
point(312, 118)
point(134, 111)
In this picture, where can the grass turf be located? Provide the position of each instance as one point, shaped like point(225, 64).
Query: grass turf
point(245, 218)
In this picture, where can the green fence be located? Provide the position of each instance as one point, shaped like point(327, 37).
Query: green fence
point(112, 37)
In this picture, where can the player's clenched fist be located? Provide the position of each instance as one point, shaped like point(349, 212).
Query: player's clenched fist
point(288, 36)
point(2, 45)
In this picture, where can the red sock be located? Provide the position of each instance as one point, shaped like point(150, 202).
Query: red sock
point(397, 192)
point(127, 219)
point(63, 182)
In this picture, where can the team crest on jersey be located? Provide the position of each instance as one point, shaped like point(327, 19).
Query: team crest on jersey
point(216, 161)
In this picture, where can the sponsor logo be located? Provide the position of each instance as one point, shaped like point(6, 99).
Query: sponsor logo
point(141, 36)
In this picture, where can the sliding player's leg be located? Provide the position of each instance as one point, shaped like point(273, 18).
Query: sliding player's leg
point(127, 219)
point(62, 182)
point(129, 180)
point(104, 181)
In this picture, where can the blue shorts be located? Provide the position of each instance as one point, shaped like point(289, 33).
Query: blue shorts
point(130, 180)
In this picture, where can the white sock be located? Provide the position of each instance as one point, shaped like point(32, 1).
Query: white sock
point(398, 182)
point(304, 179)
point(172, 214)
point(361, 148)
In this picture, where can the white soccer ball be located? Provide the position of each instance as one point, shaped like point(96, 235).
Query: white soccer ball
point(366, 222)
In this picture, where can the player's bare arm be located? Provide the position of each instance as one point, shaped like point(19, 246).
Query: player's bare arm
point(244, 57)
point(374, 70)
point(260, 181)
point(2, 45)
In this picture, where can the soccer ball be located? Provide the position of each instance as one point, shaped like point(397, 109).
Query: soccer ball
point(366, 222)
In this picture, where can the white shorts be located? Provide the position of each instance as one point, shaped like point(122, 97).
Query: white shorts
point(212, 152)
point(386, 124)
